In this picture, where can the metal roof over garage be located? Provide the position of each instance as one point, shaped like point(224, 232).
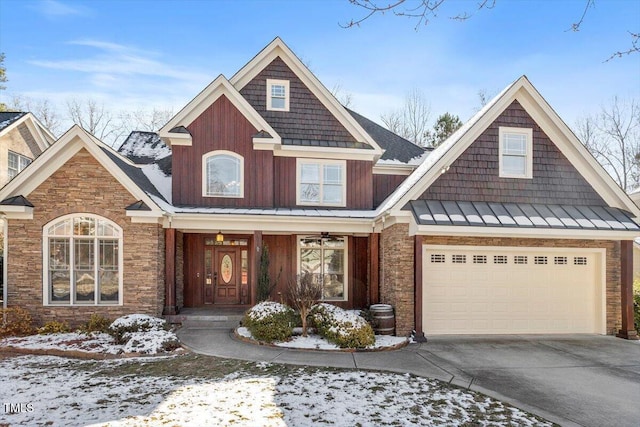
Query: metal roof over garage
point(521, 215)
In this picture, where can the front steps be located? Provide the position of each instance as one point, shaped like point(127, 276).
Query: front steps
point(206, 321)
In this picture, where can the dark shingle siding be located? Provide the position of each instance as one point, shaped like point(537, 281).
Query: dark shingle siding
point(307, 118)
point(474, 176)
point(396, 147)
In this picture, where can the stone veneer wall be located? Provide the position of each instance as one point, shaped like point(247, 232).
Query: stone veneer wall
point(82, 185)
point(397, 275)
point(396, 264)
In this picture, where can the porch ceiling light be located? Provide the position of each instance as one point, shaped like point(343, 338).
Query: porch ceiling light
point(219, 237)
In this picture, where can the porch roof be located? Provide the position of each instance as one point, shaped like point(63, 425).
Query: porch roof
point(521, 215)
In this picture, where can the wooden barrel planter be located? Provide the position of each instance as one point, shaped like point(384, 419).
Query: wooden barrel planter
point(384, 321)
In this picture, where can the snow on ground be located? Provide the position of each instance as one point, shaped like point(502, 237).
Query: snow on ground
point(67, 392)
point(150, 342)
point(316, 342)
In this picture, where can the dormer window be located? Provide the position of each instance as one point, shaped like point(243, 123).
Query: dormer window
point(516, 152)
point(222, 174)
point(277, 95)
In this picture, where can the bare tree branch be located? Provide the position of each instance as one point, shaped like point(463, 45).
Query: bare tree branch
point(412, 120)
point(575, 27)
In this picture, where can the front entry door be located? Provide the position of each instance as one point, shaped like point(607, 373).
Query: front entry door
point(222, 275)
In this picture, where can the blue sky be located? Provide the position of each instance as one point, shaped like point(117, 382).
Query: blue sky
point(139, 54)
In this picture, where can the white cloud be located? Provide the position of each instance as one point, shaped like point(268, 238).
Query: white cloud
point(55, 9)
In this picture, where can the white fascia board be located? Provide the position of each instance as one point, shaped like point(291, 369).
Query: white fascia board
point(173, 138)
point(324, 153)
point(394, 169)
point(13, 125)
point(532, 233)
point(220, 86)
point(280, 223)
point(17, 212)
point(567, 142)
point(277, 48)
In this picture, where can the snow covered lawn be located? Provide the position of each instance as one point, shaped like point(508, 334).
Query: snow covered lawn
point(195, 390)
point(316, 342)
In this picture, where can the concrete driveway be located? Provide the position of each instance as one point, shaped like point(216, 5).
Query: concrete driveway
point(586, 380)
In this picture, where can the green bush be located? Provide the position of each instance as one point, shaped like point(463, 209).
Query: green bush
point(96, 323)
point(270, 321)
point(343, 328)
point(122, 327)
point(54, 327)
point(15, 322)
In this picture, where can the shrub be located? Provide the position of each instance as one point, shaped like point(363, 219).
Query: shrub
point(96, 323)
point(15, 322)
point(269, 321)
point(54, 327)
point(123, 328)
point(343, 328)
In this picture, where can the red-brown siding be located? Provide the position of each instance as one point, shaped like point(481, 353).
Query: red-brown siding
point(474, 176)
point(359, 183)
point(222, 127)
point(383, 185)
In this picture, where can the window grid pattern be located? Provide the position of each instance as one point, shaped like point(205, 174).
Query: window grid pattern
point(580, 260)
point(540, 260)
point(479, 259)
point(84, 264)
point(458, 259)
point(16, 163)
point(437, 258)
point(560, 260)
point(500, 259)
point(520, 259)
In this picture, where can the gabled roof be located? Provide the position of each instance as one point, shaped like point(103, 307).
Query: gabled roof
point(11, 120)
point(144, 147)
point(8, 117)
point(277, 48)
point(551, 124)
point(172, 133)
point(129, 175)
point(396, 148)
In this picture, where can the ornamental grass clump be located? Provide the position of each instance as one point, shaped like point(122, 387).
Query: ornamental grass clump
point(54, 327)
point(344, 328)
point(269, 321)
point(15, 322)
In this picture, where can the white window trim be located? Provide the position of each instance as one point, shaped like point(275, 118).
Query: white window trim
point(45, 263)
point(206, 156)
point(528, 132)
point(321, 162)
point(20, 158)
point(285, 83)
point(346, 264)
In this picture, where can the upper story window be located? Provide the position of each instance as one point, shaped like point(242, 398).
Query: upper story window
point(277, 95)
point(82, 261)
point(17, 162)
point(516, 152)
point(321, 182)
point(222, 174)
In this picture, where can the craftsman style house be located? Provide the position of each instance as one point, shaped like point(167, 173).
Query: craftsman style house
point(509, 226)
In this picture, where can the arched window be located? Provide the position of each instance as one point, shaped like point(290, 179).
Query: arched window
point(222, 174)
point(82, 261)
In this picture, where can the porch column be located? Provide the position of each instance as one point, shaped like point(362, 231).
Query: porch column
point(170, 306)
point(626, 291)
point(257, 253)
point(417, 274)
point(374, 268)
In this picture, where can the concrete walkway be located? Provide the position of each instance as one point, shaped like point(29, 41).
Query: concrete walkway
point(588, 380)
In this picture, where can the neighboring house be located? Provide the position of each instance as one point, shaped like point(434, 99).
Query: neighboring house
point(509, 226)
point(22, 139)
point(635, 196)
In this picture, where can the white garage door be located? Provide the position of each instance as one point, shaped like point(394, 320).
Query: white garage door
point(505, 290)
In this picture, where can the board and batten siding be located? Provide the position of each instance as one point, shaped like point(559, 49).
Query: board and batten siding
point(222, 127)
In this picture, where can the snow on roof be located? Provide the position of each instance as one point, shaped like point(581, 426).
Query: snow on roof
point(158, 179)
point(7, 118)
point(144, 147)
point(438, 153)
